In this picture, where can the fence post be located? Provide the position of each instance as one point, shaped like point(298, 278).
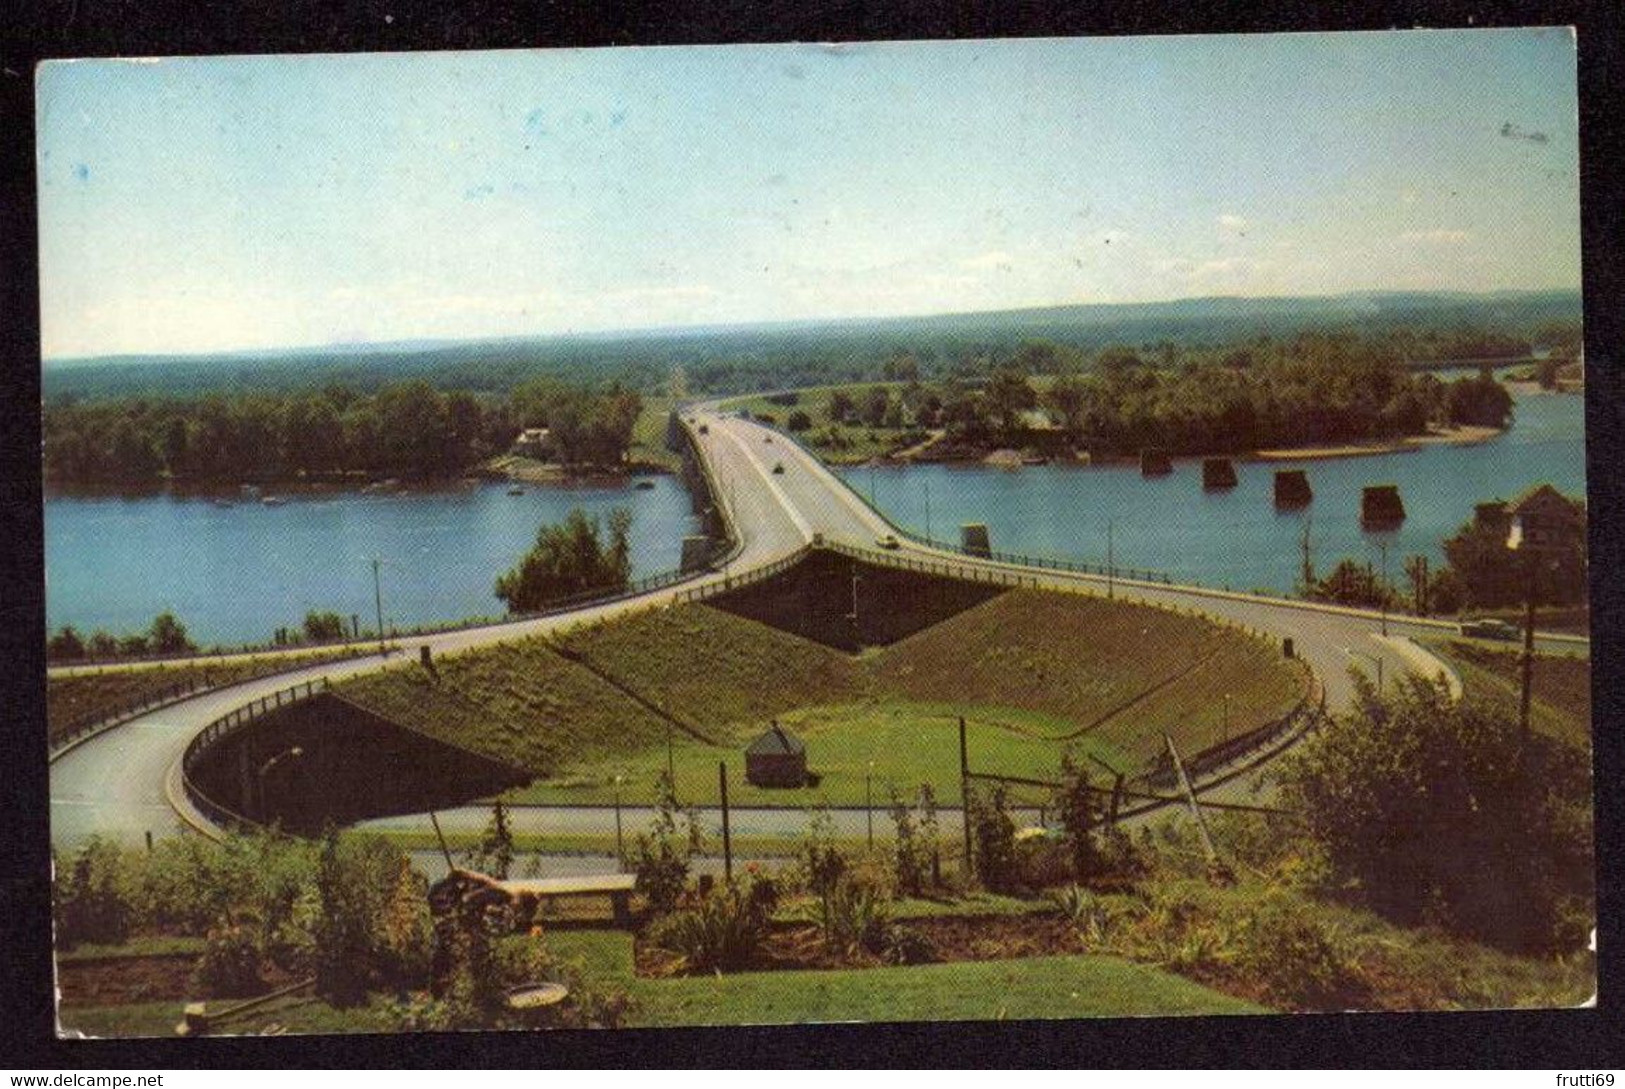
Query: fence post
point(727, 838)
point(964, 793)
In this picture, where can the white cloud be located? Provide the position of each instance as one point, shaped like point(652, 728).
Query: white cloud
point(1231, 222)
point(992, 259)
point(1438, 236)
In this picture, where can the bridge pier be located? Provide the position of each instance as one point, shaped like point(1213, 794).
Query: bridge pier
point(974, 540)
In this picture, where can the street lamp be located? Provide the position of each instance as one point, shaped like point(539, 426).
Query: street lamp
point(378, 603)
point(1377, 658)
point(1109, 559)
point(293, 753)
point(1382, 587)
point(868, 803)
point(620, 848)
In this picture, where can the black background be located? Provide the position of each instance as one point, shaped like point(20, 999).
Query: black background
point(1575, 1041)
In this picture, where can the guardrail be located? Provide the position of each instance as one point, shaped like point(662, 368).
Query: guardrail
point(222, 728)
point(1140, 574)
point(89, 725)
point(735, 582)
point(1309, 712)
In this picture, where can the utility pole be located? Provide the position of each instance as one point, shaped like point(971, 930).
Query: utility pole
point(964, 793)
point(1110, 558)
point(378, 604)
point(1382, 590)
point(620, 846)
point(868, 802)
point(1528, 665)
point(1308, 558)
point(927, 484)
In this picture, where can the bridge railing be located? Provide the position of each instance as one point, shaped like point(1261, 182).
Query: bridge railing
point(734, 582)
point(1050, 563)
point(225, 726)
point(97, 721)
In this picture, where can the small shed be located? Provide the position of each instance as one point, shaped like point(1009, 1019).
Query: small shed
point(776, 759)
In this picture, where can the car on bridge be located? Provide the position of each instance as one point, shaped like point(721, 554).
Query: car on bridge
point(1490, 629)
point(778, 468)
point(888, 540)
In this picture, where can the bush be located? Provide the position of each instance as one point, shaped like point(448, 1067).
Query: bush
point(1305, 962)
point(95, 901)
point(1446, 813)
point(994, 836)
point(914, 854)
point(230, 965)
point(664, 852)
point(723, 932)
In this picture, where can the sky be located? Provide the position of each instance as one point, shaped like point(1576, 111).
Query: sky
point(214, 204)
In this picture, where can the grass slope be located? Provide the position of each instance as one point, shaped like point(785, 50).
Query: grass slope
point(82, 697)
point(1118, 672)
point(1560, 703)
point(1033, 673)
point(518, 702)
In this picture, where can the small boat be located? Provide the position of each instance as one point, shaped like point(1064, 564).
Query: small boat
point(516, 490)
point(273, 501)
point(644, 485)
point(224, 503)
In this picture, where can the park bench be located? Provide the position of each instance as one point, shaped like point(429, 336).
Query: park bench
point(618, 887)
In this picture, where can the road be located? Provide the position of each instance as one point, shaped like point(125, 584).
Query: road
point(121, 783)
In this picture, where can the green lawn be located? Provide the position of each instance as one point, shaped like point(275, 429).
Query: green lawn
point(1033, 673)
point(1046, 987)
point(894, 744)
point(649, 434)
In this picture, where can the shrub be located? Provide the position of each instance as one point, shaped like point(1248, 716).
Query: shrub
point(1079, 811)
point(994, 836)
point(94, 901)
point(722, 932)
point(230, 965)
point(1448, 813)
point(914, 854)
point(902, 946)
point(854, 915)
point(1304, 961)
point(664, 852)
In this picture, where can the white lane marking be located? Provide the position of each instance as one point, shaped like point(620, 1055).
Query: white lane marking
point(778, 492)
point(830, 482)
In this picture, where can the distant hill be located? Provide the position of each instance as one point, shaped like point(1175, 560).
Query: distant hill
point(717, 359)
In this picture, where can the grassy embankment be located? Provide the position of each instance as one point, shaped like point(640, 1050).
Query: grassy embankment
point(1033, 674)
point(1560, 694)
point(83, 697)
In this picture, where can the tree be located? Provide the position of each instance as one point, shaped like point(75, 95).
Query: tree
point(1480, 401)
point(799, 421)
point(168, 636)
point(840, 406)
point(323, 627)
point(1079, 811)
point(875, 403)
point(65, 644)
point(1352, 583)
point(570, 558)
point(493, 855)
point(1008, 395)
point(1434, 811)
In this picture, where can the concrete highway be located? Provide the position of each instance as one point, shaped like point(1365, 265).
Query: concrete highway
point(121, 783)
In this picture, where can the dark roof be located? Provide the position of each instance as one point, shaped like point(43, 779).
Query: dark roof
point(1544, 493)
point(776, 742)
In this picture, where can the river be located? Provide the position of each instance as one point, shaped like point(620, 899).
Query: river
point(1236, 538)
point(233, 574)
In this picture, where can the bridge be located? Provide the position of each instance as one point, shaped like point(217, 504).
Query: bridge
point(125, 782)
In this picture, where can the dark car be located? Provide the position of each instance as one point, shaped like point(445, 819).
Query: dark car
point(1490, 629)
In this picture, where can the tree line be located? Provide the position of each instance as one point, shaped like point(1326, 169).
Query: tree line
point(1318, 388)
point(409, 430)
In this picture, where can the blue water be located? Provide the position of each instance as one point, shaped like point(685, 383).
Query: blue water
point(234, 574)
point(1236, 538)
